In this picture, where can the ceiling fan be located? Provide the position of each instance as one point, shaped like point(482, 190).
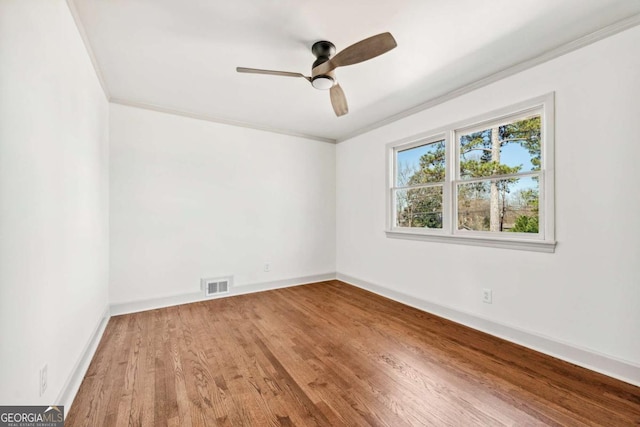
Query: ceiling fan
point(322, 73)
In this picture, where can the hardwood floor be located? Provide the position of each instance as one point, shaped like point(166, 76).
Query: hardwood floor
point(330, 354)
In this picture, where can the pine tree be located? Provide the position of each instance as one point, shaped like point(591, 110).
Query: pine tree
point(479, 157)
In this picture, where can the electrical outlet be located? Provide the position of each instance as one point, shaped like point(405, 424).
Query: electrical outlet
point(267, 267)
point(43, 379)
point(486, 296)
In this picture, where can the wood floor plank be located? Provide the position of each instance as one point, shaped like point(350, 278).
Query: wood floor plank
point(329, 354)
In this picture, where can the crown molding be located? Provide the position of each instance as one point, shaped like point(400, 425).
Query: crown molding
point(556, 52)
point(219, 120)
point(87, 46)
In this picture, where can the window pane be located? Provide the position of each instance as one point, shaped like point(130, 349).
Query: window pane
point(420, 165)
point(505, 205)
point(501, 149)
point(419, 207)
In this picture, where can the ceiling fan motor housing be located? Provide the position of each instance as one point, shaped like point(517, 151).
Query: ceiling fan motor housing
point(322, 50)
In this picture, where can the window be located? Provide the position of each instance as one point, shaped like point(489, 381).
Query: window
point(419, 185)
point(484, 181)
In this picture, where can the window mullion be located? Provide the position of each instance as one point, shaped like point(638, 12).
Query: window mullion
point(498, 177)
point(425, 185)
point(449, 207)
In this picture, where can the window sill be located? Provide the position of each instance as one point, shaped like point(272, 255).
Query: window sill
point(518, 244)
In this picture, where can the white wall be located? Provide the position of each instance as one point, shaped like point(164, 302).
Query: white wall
point(587, 293)
point(53, 199)
point(192, 199)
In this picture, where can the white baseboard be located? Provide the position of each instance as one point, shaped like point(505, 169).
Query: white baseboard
point(608, 365)
point(153, 303)
point(71, 386)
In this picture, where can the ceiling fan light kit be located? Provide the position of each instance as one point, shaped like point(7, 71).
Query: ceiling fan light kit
point(322, 73)
point(323, 82)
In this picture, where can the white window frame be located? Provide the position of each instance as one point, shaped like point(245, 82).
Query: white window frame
point(543, 241)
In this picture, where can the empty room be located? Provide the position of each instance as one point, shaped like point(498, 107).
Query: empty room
point(338, 213)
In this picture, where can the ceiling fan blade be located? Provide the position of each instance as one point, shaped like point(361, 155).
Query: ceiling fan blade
point(362, 51)
point(271, 72)
point(338, 101)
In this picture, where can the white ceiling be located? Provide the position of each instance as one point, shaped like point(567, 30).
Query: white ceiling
point(182, 55)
